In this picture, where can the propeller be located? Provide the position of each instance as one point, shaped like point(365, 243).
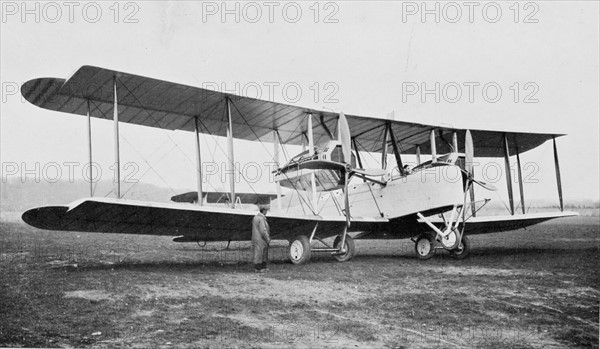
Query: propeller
point(469, 168)
point(469, 153)
point(485, 185)
point(344, 138)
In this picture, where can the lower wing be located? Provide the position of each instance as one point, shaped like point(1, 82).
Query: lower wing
point(193, 222)
point(495, 224)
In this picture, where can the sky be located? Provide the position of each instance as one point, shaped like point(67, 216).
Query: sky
point(528, 67)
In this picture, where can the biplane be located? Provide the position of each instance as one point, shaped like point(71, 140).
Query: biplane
point(337, 197)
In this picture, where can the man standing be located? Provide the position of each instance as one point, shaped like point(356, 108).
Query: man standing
point(260, 239)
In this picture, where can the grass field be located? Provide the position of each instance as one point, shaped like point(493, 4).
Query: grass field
point(538, 288)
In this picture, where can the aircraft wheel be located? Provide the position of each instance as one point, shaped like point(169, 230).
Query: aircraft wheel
point(349, 247)
point(463, 249)
point(450, 241)
point(299, 251)
point(425, 247)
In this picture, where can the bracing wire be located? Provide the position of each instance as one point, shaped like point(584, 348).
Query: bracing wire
point(365, 150)
point(176, 145)
point(148, 170)
point(285, 154)
point(141, 156)
point(273, 157)
point(150, 114)
point(226, 155)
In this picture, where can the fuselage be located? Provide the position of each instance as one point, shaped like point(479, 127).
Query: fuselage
point(420, 191)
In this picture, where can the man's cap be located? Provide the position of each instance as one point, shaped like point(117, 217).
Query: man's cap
point(264, 207)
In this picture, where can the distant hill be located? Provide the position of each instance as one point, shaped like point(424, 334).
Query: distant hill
point(17, 196)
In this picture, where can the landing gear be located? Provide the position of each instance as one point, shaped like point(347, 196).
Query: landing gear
point(450, 235)
point(348, 248)
point(299, 251)
point(450, 241)
point(462, 250)
point(424, 246)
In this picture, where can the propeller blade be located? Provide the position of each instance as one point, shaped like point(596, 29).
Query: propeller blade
point(469, 153)
point(485, 185)
point(470, 179)
point(370, 172)
point(344, 138)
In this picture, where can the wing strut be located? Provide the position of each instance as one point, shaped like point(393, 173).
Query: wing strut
point(433, 150)
point(89, 139)
point(230, 153)
point(116, 127)
point(276, 147)
point(384, 149)
point(454, 142)
point(311, 151)
point(324, 125)
point(511, 199)
point(199, 158)
point(468, 165)
point(557, 169)
point(358, 158)
point(521, 193)
point(395, 149)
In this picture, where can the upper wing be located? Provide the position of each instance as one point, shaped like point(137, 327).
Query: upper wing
point(196, 223)
point(157, 103)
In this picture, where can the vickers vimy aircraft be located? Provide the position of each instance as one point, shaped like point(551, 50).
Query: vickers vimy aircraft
point(337, 196)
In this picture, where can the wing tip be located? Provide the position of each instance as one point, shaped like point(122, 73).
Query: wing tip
point(39, 91)
point(49, 217)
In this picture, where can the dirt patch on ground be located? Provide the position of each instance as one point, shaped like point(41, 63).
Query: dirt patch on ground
point(143, 313)
point(92, 295)
point(292, 335)
point(576, 291)
point(254, 287)
point(483, 271)
point(577, 240)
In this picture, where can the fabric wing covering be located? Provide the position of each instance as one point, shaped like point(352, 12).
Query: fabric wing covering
point(109, 215)
point(157, 103)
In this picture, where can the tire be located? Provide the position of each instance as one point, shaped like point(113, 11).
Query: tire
point(463, 250)
point(349, 247)
point(425, 247)
point(450, 242)
point(299, 250)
